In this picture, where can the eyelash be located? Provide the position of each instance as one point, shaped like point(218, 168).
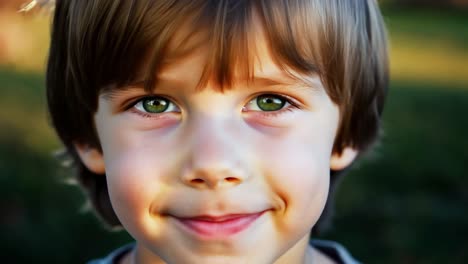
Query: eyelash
point(290, 106)
point(131, 107)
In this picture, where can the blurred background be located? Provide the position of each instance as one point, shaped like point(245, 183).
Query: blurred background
point(408, 203)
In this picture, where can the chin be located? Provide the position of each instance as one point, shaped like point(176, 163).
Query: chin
point(223, 259)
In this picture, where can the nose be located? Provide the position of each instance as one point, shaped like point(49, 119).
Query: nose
point(215, 157)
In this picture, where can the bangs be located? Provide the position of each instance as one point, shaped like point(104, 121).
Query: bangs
point(150, 34)
point(234, 31)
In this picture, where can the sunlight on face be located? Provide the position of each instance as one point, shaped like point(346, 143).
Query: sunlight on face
point(210, 177)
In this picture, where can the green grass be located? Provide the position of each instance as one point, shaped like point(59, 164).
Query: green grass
point(41, 218)
point(408, 205)
point(430, 25)
point(428, 45)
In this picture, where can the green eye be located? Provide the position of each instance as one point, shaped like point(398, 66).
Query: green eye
point(155, 105)
point(270, 102)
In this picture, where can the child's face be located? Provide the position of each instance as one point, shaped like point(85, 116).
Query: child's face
point(213, 177)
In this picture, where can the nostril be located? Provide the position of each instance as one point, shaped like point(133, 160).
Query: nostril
point(197, 181)
point(232, 179)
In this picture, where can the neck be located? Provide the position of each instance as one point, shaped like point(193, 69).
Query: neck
point(300, 253)
point(140, 255)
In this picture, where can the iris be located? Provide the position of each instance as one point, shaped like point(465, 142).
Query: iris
point(155, 105)
point(270, 102)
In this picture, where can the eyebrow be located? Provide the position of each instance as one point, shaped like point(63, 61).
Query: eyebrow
point(269, 81)
point(266, 81)
point(110, 92)
point(288, 81)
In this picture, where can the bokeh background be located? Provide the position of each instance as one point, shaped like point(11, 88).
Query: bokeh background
point(407, 203)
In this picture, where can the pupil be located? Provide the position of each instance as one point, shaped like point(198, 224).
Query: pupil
point(155, 105)
point(270, 103)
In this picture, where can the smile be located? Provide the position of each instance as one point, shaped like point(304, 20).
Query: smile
point(210, 227)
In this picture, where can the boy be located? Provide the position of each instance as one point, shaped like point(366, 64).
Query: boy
point(212, 131)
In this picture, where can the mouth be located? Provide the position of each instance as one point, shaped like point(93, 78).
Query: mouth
point(211, 227)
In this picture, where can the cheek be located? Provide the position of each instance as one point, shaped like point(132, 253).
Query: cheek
point(300, 180)
point(298, 171)
point(136, 176)
point(298, 160)
point(300, 175)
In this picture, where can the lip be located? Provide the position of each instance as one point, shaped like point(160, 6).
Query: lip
point(223, 226)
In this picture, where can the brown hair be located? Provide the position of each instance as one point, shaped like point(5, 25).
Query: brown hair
point(98, 45)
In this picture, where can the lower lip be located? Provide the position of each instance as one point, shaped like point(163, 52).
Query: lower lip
point(220, 229)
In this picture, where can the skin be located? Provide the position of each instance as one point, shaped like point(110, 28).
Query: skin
point(217, 153)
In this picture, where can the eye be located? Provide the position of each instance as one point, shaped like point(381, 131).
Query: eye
point(156, 105)
point(267, 103)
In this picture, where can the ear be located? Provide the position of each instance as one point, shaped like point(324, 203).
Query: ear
point(339, 161)
point(92, 158)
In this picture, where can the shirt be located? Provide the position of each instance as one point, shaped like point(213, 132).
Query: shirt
point(332, 249)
